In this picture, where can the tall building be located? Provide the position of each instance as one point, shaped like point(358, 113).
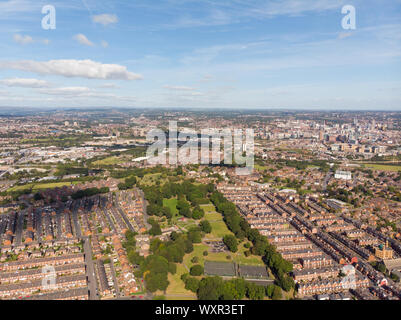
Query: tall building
point(384, 252)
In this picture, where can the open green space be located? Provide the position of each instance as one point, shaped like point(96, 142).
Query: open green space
point(176, 287)
point(108, 161)
point(172, 204)
point(382, 167)
point(151, 179)
point(41, 186)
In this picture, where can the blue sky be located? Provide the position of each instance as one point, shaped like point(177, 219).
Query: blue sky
point(201, 53)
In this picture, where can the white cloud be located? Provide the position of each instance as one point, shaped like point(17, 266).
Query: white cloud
point(179, 88)
point(25, 83)
point(16, 7)
point(104, 44)
point(25, 39)
point(294, 7)
point(73, 69)
point(83, 92)
point(66, 91)
point(218, 12)
point(105, 19)
point(108, 86)
point(82, 39)
point(21, 39)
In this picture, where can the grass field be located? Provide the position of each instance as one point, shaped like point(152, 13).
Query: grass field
point(186, 224)
point(251, 260)
point(198, 252)
point(213, 216)
point(383, 167)
point(260, 168)
point(172, 204)
point(41, 186)
point(219, 228)
point(208, 208)
point(151, 179)
point(176, 287)
point(108, 161)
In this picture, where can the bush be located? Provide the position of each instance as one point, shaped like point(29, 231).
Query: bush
point(172, 268)
point(196, 270)
point(231, 242)
point(205, 226)
point(198, 213)
point(205, 253)
point(192, 284)
point(184, 277)
point(195, 236)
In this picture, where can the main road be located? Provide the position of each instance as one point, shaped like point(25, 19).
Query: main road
point(90, 271)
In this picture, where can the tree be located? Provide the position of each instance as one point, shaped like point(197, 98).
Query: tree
point(196, 270)
point(228, 291)
point(156, 281)
point(38, 196)
point(210, 288)
point(172, 268)
point(155, 230)
point(255, 292)
point(167, 212)
point(192, 284)
point(286, 282)
point(394, 277)
point(277, 294)
point(205, 226)
point(239, 288)
point(186, 212)
point(231, 242)
point(195, 236)
point(198, 213)
point(135, 258)
point(270, 290)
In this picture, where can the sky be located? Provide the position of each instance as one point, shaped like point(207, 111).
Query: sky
point(291, 54)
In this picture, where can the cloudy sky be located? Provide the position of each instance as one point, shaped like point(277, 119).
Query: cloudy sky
point(201, 53)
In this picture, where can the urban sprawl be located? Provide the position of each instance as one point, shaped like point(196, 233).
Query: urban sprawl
point(86, 215)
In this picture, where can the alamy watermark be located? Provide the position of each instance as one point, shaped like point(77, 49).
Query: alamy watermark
point(349, 21)
point(49, 20)
point(49, 279)
point(204, 148)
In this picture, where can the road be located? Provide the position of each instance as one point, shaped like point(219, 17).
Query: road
point(112, 226)
point(326, 180)
point(90, 271)
point(19, 227)
point(125, 218)
point(113, 272)
point(78, 233)
point(144, 208)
